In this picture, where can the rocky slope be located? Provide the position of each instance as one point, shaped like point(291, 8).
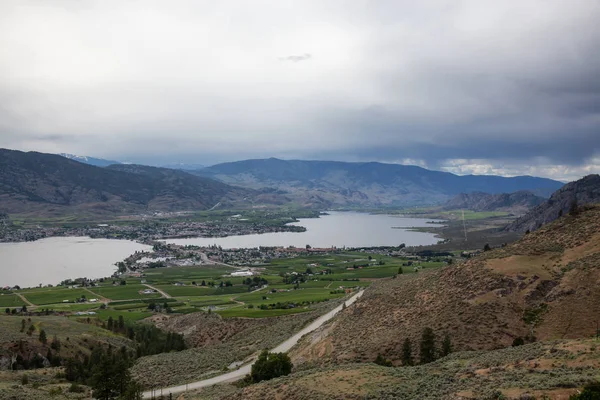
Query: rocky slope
point(583, 191)
point(543, 286)
point(46, 184)
point(328, 183)
point(516, 203)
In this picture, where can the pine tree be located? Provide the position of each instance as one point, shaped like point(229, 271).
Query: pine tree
point(407, 353)
point(110, 324)
point(446, 346)
point(43, 337)
point(427, 354)
point(400, 271)
point(121, 324)
point(104, 382)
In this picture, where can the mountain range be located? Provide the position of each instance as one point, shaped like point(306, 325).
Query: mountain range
point(517, 203)
point(98, 162)
point(37, 183)
point(335, 183)
point(101, 162)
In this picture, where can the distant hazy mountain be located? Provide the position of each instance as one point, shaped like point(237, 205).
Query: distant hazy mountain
point(181, 166)
point(48, 184)
point(583, 191)
point(98, 162)
point(328, 183)
point(518, 202)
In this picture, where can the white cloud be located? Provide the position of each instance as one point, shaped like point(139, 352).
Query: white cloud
point(503, 82)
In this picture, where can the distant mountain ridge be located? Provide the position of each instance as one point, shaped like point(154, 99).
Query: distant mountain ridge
point(336, 183)
point(584, 191)
point(47, 184)
point(517, 202)
point(98, 162)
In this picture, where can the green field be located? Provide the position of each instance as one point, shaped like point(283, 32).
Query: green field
point(204, 301)
point(293, 296)
point(257, 312)
point(54, 295)
point(187, 274)
point(128, 315)
point(124, 292)
point(193, 291)
point(322, 275)
point(10, 300)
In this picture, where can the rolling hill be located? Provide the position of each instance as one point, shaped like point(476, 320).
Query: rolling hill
point(333, 183)
point(542, 287)
point(581, 192)
point(46, 184)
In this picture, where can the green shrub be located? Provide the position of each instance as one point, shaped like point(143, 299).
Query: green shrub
point(270, 365)
point(75, 388)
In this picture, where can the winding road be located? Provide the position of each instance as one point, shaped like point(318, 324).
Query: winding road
point(245, 370)
point(163, 294)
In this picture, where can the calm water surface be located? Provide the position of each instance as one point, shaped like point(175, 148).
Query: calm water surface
point(338, 229)
point(55, 259)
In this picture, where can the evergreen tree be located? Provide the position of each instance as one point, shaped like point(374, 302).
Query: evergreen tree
point(427, 354)
point(121, 324)
point(43, 337)
point(446, 346)
point(55, 343)
point(407, 353)
point(104, 381)
point(23, 323)
point(110, 324)
point(400, 271)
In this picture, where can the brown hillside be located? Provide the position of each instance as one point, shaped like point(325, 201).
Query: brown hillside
point(545, 285)
point(553, 370)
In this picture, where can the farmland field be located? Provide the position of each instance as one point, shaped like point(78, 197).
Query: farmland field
point(297, 281)
point(10, 300)
point(54, 296)
point(295, 296)
point(124, 292)
point(258, 313)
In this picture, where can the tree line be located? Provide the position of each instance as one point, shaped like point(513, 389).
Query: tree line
point(428, 352)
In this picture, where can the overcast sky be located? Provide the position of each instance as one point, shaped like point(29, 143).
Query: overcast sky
point(507, 87)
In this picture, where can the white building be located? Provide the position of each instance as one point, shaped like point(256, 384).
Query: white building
point(241, 273)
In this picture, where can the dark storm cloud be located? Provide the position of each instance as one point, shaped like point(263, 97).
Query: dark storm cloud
point(507, 87)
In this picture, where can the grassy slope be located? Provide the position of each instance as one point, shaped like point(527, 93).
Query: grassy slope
point(553, 369)
point(482, 303)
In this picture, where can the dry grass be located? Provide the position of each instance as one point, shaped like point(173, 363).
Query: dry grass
point(545, 284)
point(553, 369)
